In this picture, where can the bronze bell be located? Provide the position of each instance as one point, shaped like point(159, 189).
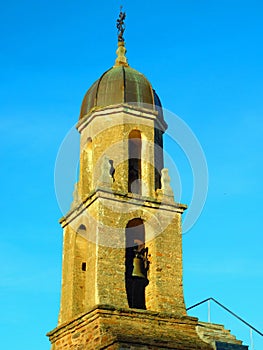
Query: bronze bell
point(137, 268)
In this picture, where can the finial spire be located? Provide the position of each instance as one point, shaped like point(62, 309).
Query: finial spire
point(121, 25)
point(121, 59)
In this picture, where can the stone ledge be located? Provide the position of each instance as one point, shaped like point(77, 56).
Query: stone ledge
point(105, 325)
point(127, 198)
point(101, 309)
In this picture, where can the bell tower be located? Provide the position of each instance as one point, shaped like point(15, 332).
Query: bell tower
point(122, 237)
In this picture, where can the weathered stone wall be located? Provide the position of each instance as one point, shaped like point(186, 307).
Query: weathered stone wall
point(165, 292)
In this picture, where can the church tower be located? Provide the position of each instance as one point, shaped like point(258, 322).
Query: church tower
point(122, 237)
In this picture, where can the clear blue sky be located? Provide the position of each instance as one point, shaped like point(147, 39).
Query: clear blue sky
point(204, 58)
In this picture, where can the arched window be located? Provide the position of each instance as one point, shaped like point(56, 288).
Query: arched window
point(82, 228)
point(136, 264)
point(158, 156)
point(86, 168)
point(89, 167)
point(134, 171)
point(80, 270)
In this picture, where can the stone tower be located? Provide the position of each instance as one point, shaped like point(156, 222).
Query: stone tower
point(122, 250)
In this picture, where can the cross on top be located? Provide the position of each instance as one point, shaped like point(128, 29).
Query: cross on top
point(121, 25)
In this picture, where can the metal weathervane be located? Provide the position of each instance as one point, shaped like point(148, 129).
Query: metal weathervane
point(121, 25)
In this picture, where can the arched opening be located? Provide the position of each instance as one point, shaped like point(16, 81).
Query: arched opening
point(82, 228)
point(134, 171)
point(86, 169)
point(136, 264)
point(89, 167)
point(158, 156)
point(80, 270)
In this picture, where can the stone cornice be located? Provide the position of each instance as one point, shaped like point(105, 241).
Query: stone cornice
point(126, 198)
point(109, 310)
point(126, 108)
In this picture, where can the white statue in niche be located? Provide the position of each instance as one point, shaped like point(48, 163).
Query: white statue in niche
point(75, 196)
point(166, 188)
point(106, 178)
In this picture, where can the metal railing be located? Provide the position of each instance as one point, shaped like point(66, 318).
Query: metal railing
point(252, 328)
